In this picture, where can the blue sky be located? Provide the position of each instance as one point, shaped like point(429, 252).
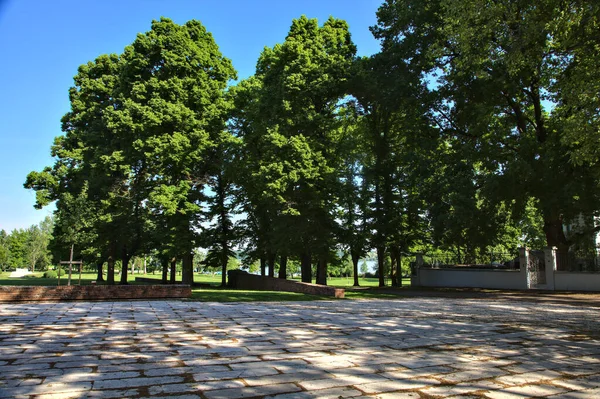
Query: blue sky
point(43, 42)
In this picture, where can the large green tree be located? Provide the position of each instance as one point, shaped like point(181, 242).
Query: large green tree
point(83, 179)
point(299, 85)
point(135, 142)
point(499, 72)
point(398, 144)
point(171, 109)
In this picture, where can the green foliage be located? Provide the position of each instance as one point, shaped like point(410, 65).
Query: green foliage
point(4, 250)
point(130, 169)
point(496, 75)
point(288, 118)
point(53, 273)
point(17, 246)
point(473, 131)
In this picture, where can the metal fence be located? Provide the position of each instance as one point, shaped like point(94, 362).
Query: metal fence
point(491, 260)
point(574, 262)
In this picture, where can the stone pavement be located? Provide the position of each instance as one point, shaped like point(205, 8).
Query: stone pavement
point(406, 348)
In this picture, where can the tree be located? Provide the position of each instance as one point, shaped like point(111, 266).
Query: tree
point(498, 72)
point(4, 250)
point(171, 93)
point(364, 268)
point(82, 177)
point(353, 194)
point(37, 243)
point(220, 234)
point(135, 143)
point(17, 248)
point(292, 131)
point(399, 144)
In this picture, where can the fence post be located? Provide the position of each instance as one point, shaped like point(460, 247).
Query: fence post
point(550, 260)
point(523, 267)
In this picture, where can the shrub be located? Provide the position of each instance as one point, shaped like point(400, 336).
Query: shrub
point(53, 273)
point(50, 274)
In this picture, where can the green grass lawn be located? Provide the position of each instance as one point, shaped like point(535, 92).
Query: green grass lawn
point(215, 293)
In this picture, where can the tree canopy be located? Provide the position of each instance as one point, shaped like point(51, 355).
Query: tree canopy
point(474, 129)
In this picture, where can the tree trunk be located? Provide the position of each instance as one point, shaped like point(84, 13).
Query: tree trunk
point(271, 263)
point(263, 265)
point(173, 270)
point(99, 264)
point(396, 272)
point(399, 270)
point(165, 270)
point(187, 269)
point(124, 265)
point(224, 259)
point(380, 265)
point(322, 269)
point(283, 267)
point(305, 267)
point(555, 235)
point(110, 271)
point(355, 259)
point(393, 268)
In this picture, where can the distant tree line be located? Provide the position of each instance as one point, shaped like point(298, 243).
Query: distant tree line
point(27, 248)
point(475, 128)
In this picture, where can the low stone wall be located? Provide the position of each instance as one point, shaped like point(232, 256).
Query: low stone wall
point(471, 278)
point(244, 281)
point(92, 292)
point(576, 281)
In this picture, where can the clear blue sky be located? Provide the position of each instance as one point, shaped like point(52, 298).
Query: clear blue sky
point(43, 42)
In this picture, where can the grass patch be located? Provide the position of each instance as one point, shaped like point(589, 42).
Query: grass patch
point(216, 294)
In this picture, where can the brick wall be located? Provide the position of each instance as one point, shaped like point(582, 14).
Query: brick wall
point(244, 281)
point(92, 292)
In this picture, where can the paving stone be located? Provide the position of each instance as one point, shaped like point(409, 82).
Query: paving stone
point(220, 384)
point(525, 391)
point(303, 350)
point(172, 389)
point(187, 396)
point(136, 382)
point(586, 394)
point(473, 374)
point(420, 372)
point(112, 394)
point(333, 393)
point(300, 377)
point(397, 395)
point(529, 378)
point(60, 395)
point(577, 384)
point(249, 392)
point(462, 388)
point(398, 385)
